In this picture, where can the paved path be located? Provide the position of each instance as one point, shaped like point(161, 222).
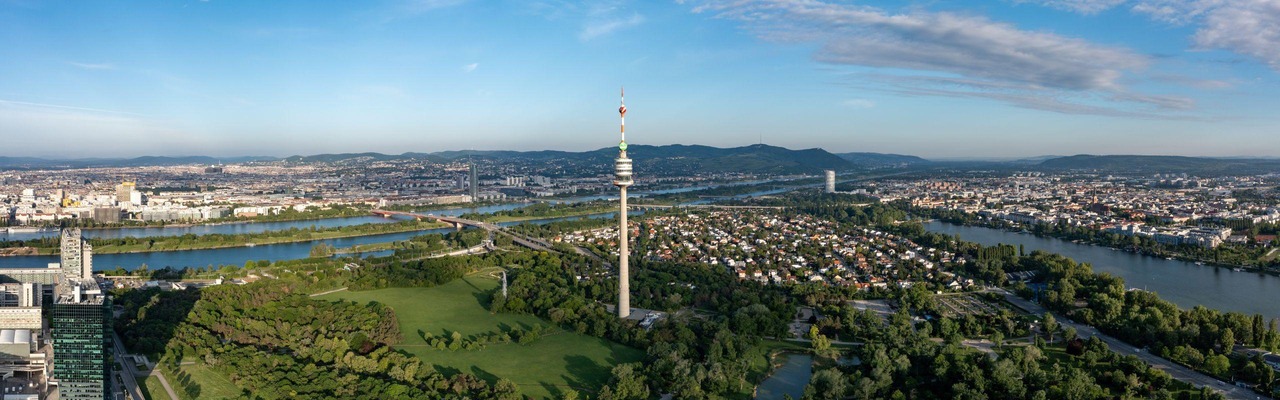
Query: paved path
point(329, 291)
point(1177, 371)
point(130, 381)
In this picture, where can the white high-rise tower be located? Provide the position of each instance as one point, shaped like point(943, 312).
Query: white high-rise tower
point(622, 179)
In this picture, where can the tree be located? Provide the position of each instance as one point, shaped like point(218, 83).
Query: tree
point(1050, 325)
point(626, 384)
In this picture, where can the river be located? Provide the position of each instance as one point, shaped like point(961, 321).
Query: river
point(273, 252)
point(1184, 283)
point(239, 255)
point(250, 227)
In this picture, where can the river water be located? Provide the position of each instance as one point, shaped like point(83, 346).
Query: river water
point(239, 255)
point(1184, 283)
point(273, 252)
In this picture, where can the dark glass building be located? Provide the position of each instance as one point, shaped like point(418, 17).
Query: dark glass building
point(80, 324)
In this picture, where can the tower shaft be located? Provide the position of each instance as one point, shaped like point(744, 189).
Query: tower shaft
point(624, 272)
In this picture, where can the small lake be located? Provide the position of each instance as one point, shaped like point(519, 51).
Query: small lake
point(790, 378)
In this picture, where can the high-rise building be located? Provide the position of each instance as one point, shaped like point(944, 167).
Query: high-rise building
point(475, 184)
point(76, 255)
point(831, 181)
point(622, 179)
point(71, 254)
point(124, 192)
point(80, 323)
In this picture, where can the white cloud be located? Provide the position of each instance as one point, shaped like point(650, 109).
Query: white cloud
point(1079, 6)
point(97, 66)
point(946, 42)
point(1247, 27)
point(988, 59)
point(469, 68)
point(596, 27)
point(1177, 11)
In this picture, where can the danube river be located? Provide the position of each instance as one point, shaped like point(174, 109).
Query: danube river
point(1184, 283)
point(238, 255)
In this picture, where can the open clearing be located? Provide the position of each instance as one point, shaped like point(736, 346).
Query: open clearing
point(559, 359)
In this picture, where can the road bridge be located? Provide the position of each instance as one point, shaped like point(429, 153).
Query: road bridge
point(702, 206)
point(459, 223)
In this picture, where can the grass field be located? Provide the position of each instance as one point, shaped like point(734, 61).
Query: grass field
point(192, 381)
point(541, 369)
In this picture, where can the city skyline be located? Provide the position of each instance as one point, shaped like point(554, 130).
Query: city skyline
point(941, 80)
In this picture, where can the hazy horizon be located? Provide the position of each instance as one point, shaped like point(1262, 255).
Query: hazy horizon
point(940, 79)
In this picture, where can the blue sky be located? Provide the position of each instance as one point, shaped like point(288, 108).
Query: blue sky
point(940, 79)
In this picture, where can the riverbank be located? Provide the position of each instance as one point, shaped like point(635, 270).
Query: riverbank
point(1168, 254)
point(219, 241)
point(576, 213)
point(1184, 283)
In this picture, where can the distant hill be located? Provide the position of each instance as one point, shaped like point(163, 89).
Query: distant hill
point(1139, 164)
point(652, 159)
point(31, 162)
point(668, 159)
point(757, 158)
point(881, 159)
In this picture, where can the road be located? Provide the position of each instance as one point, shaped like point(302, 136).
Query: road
point(128, 372)
point(1177, 371)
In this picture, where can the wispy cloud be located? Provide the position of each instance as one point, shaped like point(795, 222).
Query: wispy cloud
point(24, 104)
point(88, 132)
point(1246, 27)
point(95, 66)
point(1079, 6)
point(469, 68)
point(957, 55)
point(602, 26)
point(402, 9)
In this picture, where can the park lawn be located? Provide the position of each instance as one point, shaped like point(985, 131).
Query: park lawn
point(542, 369)
point(576, 213)
point(145, 385)
point(192, 381)
point(200, 243)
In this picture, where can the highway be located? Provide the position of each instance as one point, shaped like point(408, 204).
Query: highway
point(1177, 371)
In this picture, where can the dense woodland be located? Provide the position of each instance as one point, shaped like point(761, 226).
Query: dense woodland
point(274, 343)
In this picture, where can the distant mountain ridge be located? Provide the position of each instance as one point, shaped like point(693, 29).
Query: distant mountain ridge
point(1162, 164)
point(33, 162)
point(881, 159)
point(679, 159)
point(674, 158)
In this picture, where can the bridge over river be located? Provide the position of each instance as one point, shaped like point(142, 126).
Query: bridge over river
point(459, 223)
